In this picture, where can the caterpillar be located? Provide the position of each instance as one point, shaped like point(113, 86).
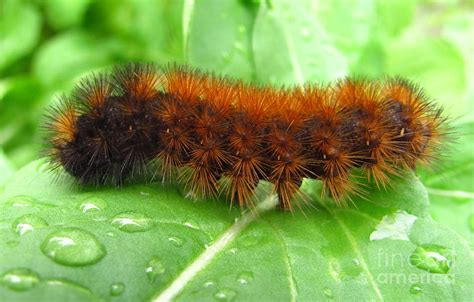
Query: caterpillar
point(215, 134)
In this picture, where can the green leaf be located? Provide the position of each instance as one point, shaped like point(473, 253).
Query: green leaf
point(63, 14)
point(338, 16)
point(291, 46)
point(70, 55)
point(393, 16)
point(19, 116)
point(458, 25)
point(435, 64)
point(450, 186)
point(218, 35)
point(371, 61)
point(148, 242)
point(7, 169)
point(20, 26)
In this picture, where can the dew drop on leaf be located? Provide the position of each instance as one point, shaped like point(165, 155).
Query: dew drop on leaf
point(20, 279)
point(92, 204)
point(432, 258)
point(192, 224)
point(328, 292)
point(73, 247)
point(75, 292)
point(334, 268)
point(154, 268)
point(208, 284)
point(231, 251)
point(117, 288)
point(176, 241)
point(28, 223)
point(225, 294)
point(251, 240)
point(415, 289)
point(245, 278)
point(132, 222)
point(21, 201)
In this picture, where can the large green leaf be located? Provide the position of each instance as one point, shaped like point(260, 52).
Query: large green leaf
point(142, 242)
point(63, 13)
point(291, 46)
point(20, 26)
point(435, 64)
point(349, 23)
point(70, 55)
point(7, 169)
point(218, 35)
point(19, 117)
point(451, 186)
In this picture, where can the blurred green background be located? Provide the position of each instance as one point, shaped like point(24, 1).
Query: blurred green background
point(45, 46)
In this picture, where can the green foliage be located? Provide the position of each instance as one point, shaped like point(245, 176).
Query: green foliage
point(418, 229)
point(145, 236)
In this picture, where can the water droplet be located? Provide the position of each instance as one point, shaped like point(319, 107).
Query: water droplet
point(208, 284)
point(20, 279)
point(28, 223)
point(92, 204)
point(110, 234)
point(356, 261)
point(395, 226)
point(328, 292)
point(251, 240)
point(21, 201)
point(231, 251)
point(415, 289)
point(75, 292)
point(245, 277)
point(176, 241)
point(144, 193)
point(335, 270)
point(192, 224)
point(116, 289)
point(225, 294)
point(73, 247)
point(132, 222)
point(432, 258)
point(154, 268)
